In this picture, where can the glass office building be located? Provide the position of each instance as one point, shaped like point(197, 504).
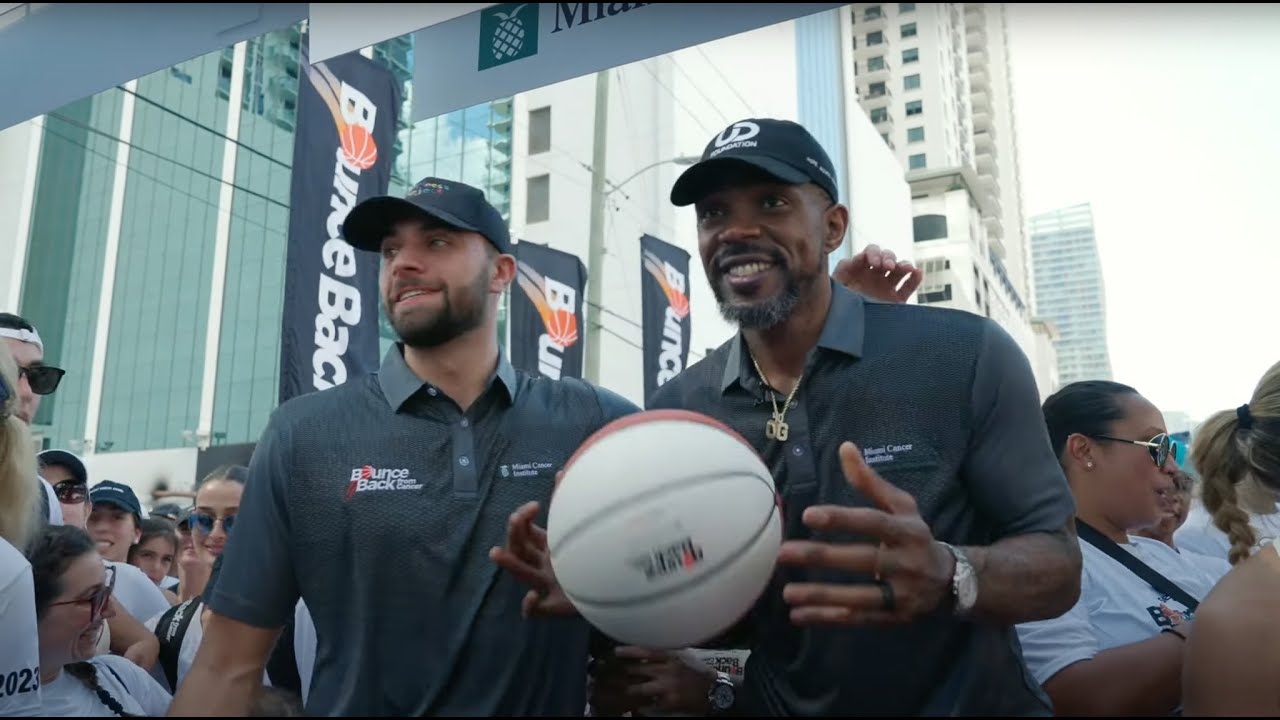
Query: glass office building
point(132, 180)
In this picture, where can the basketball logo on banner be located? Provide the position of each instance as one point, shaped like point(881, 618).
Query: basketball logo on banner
point(546, 339)
point(665, 300)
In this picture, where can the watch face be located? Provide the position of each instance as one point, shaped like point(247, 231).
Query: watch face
point(722, 697)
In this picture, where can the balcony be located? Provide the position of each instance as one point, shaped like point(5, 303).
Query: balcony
point(975, 26)
point(979, 79)
point(884, 122)
point(980, 100)
point(864, 52)
point(870, 22)
point(981, 120)
point(978, 58)
point(874, 99)
point(984, 141)
point(984, 162)
point(994, 226)
point(880, 73)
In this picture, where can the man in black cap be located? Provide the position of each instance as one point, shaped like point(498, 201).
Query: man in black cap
point(897, 588)
point(66, 473)
point(377, 501)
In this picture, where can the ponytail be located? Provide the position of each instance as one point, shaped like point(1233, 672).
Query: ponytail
point(1235, 446)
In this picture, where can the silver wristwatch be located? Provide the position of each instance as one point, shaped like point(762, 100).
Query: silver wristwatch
point(722, 695)
point(964, 582)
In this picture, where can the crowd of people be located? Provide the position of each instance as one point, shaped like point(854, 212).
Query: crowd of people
point(1017, 557)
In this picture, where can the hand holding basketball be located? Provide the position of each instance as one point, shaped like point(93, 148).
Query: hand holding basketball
point(912, 569)
point(525, 556)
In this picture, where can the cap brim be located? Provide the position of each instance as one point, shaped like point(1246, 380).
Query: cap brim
point(372, 220)
point(118, 503)
point(67, 460)
point(707, 175)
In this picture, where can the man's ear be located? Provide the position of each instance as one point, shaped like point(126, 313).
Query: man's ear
point(837, 218)
point(504, 272)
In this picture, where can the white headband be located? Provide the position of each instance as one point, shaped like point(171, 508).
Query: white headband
point(29, 336)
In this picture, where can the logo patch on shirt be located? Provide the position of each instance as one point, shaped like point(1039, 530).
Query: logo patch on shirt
point(525, 470)
point(371, 479)
point(1165, 616)
point(886, 453)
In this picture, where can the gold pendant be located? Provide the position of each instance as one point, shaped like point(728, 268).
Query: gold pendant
point(777, 429)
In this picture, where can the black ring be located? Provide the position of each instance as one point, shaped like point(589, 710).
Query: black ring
point(890, 602)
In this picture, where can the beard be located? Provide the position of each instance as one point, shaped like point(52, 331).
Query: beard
point(760, 314)
point(461, 311)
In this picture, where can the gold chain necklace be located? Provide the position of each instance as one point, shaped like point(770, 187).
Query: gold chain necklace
point(777, 428)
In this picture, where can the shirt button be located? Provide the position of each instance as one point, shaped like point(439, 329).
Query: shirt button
point(464, 461)
point(466, 423)
point(432, 392)
point(797, 450)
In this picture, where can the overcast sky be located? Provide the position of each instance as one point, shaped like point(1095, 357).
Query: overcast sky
point(1167, 120)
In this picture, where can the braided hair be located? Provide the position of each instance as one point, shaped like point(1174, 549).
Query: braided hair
point(52, 551)
point(87, 673)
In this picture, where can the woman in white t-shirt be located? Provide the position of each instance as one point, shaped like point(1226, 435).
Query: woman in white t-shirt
point(19, 509)
point(1118, 651)
point(72, 592)
point(1233, 661)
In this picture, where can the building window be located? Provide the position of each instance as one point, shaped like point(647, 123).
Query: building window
point(916, 162)
point(879, 115)
point(911, 82)
point(875, 63)
point(933, 296)
point(910, 55)
point(876, 89)
point(909, 30)
point(538, 207)
point(885, 138)
point(540, 130)
point(929, 227)
point(875, 38)
point(915, 134)
point(915, 107)
point(872, 13)
point(906, 7)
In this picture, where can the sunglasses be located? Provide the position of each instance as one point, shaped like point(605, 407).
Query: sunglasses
point(71, 492)
point(1159, 446)
point(43, 379)
point(97, 602)
point(204, 523)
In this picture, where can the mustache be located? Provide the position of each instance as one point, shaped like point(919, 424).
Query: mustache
point(400, 286)
point(730, 252)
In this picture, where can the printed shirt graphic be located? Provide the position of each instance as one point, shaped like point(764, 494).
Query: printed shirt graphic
point(1116, 607)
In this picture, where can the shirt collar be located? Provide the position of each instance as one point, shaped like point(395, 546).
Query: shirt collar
point(842, 332)
point(399, 383)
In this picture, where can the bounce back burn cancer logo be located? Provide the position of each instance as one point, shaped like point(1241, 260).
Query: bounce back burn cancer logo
point(358, 149)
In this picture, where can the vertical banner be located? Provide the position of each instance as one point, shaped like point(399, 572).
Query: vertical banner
point(664, 292)
point(547, 312)
point(342, 153)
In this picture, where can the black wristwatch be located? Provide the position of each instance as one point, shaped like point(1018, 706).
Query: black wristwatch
point(722, 695)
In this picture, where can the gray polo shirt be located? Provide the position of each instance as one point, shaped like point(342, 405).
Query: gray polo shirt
point(944, 405)
point(377, 502)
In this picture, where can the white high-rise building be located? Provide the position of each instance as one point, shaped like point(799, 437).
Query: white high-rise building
point(934, 79)
point(1069, 290)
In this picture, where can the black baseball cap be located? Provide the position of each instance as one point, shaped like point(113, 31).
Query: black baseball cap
point(781, 148)
point(118, 494)
point(68, 460)
point(455, 204)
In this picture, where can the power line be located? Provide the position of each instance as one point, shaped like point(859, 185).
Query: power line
point(698, 89)
point(726, 80)
point(673, 95)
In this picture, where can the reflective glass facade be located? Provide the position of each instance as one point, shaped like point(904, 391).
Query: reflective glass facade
point(154, 361)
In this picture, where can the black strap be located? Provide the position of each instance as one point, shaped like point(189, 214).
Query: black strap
point(171, 628)
point(1135, 566)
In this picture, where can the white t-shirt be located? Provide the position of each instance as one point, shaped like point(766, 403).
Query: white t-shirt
point(53, 508)
point(304, 646)
point(1115, 608)
point(127, 683)
point(19, 639)
point(1199, 535)
point(135, 592)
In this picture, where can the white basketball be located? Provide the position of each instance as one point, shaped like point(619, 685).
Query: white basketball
point(664, 529)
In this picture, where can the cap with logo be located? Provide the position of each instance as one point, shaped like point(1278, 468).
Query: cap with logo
point(781, 148)
point(118, 494)
point(455, 204)
point(66, 459)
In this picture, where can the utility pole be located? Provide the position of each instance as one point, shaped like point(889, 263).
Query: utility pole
point(595, 250)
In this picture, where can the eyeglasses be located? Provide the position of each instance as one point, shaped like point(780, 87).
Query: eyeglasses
point(204, 523)
point(71, 492)
point(43, 379)
point(97, 602)
point(1159, 446)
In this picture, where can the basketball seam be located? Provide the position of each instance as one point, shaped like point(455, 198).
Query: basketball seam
point(692, 582)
